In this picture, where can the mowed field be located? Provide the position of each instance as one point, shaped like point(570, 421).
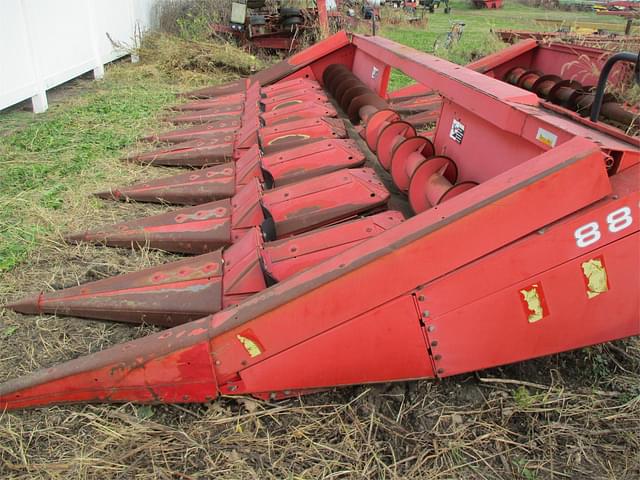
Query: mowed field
point(575, 415)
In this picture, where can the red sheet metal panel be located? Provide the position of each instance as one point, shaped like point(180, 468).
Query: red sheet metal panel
point(532, 255)
point(173, 366)
point(381, 344)
point(243, 274)
point(298, 111)
point(321, 200)
point(310, 160)
point(300, 130)
point(286, 257)
point(413, 253)
point(559, 316)
point(373, 72)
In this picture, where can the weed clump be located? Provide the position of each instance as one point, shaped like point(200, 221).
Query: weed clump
point(191, 19)
point(176, 55)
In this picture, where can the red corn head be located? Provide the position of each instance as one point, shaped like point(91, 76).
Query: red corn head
point(221, 147)
point(222, 113)
point(208, 103)
point(205, 130)
point(231, 124)
point(299, 111)
point(540, 257)
point(156, 295)
point(209, 150)
point(221, 181)
point(188, 289)
point(190, 188)
point(323, 200)
point(290, 209)
point(239, 86)
point(199, 229)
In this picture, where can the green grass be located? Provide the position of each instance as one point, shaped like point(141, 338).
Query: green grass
point(477, 40)
point(45, 156)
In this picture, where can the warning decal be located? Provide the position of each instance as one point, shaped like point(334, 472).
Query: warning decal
point(457, 131)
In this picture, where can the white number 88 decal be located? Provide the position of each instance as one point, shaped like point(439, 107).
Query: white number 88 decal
point(619, 220)
point(587, 234)
point(590, 233)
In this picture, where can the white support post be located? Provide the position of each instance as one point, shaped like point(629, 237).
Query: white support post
point(98, 70)
point(39, 102)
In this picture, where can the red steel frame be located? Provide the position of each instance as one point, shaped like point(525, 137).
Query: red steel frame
point(542, 256)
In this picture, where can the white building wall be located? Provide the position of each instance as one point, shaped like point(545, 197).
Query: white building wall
point(44, 43)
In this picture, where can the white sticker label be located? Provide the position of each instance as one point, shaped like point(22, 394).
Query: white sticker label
point(374, 72)
point(546, 137)
point(457, 131)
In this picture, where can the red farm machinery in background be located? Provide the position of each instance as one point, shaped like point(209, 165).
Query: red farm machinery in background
point(487, 3)
point(335, 233)
point(255, 24)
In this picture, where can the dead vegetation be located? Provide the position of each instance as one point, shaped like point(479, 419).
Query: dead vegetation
point(198, 58)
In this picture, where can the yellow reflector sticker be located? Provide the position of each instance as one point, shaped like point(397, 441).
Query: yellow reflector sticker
point(596, 277)
point(252, 347)
point(533, 303)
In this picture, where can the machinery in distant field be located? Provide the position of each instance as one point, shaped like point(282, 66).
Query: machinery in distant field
point(255, 25)
point(487, 3)
point(336, 233)
point(431, 5)
point(627, 9)
point(604, 41)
